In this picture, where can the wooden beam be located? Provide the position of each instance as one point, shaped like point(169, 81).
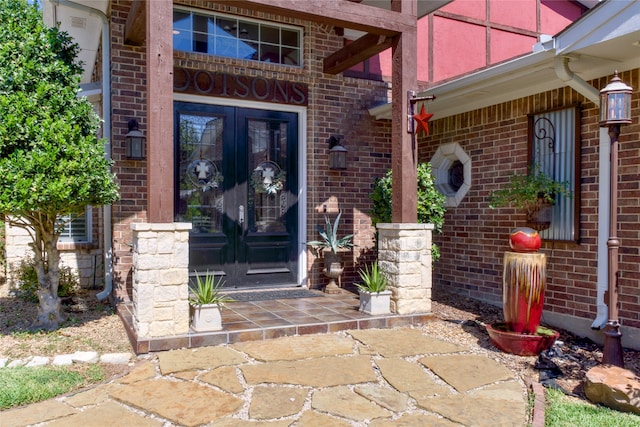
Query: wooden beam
point(134, 29)
point(404, 150)
point(339, 13)
point(160, 148)
point(354, 53)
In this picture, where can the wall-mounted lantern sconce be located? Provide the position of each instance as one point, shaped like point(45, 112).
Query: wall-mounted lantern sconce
point(337, 154)
point(134, 142)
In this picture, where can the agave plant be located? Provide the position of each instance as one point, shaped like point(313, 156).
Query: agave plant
point(329, 235)
point(373, 280)
point(207, 291)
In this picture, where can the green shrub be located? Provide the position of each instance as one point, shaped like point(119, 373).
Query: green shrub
point(27, 281)
point(431, 208)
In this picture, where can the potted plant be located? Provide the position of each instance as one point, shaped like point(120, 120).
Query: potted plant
point(374, 296)
point(330, 245)
point(535, 193)
point(205, 302)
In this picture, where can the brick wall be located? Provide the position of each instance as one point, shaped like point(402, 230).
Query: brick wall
point(475, 237)
point(337, 106)
point(128, 101)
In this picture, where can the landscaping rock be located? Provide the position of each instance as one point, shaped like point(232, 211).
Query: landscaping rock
point(85, 356)
point(18, 362)
point(116, 358)
point(614, 387)
point(37, 361)
point(63, 360)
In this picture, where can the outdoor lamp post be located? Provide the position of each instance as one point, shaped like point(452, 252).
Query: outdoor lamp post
point(134, 142)
point(615, 110)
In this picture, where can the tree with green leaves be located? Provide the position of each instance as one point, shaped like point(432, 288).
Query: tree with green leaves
point(431, 207)
point(51, 162)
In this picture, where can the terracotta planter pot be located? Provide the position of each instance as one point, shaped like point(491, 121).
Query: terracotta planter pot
point(523, 286)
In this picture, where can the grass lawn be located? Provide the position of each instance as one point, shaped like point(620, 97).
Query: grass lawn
point(564, 411)
point(21, 386)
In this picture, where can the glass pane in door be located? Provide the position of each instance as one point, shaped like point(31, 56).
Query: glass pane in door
point(200, 172)
point(268, 189)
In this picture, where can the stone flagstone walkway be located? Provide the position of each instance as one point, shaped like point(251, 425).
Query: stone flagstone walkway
point(375, 377)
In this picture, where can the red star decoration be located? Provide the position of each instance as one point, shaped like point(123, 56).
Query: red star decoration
point(422, 120)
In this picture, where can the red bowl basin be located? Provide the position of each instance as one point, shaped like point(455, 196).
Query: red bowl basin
point(518, 343)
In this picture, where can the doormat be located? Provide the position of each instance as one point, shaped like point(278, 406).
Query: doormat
point(271, 295)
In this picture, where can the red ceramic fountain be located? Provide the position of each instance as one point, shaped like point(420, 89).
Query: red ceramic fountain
point(523, 286)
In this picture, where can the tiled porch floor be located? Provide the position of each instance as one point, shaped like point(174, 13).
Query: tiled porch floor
point(258, 320)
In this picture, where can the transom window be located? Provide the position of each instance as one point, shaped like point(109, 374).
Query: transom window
point(229, 36)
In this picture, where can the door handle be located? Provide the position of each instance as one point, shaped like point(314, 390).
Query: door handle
point(241, 214)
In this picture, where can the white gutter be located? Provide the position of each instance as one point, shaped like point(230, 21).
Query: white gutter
point(604, 214)
point(106, 111)
point(561, 66)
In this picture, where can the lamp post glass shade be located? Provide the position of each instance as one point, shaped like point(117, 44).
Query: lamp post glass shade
point(615, 103)
point(134, 142)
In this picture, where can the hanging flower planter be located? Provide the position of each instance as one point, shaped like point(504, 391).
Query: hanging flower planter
point(540, 215)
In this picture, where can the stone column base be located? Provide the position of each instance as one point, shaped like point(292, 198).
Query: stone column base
point(160, 279)
point(404, 254)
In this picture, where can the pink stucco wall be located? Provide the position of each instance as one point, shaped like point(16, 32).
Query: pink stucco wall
point(476, 9)
point(514, 13)
point(472, 34)
point(506, 45)
point(557, 15)
point(457, 46)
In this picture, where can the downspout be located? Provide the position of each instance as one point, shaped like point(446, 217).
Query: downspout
point(106, 110)
point(561, 66)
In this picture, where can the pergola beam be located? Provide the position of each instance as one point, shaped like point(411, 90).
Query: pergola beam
point(354, 53)
point(134, 29)
point(339, 13)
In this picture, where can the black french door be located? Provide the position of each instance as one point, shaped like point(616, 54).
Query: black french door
point(237, 183)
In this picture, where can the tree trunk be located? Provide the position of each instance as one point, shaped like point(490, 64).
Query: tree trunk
point(49, 311)
point(47, 260)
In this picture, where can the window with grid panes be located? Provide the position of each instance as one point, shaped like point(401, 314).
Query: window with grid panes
point(233, 37)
